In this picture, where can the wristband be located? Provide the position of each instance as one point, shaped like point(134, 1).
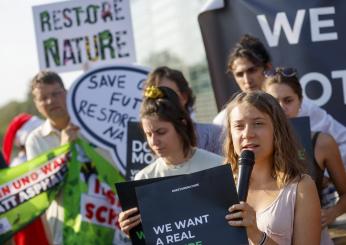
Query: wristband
point(263, 239)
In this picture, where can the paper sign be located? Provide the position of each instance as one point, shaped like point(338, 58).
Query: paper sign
point(103, 101)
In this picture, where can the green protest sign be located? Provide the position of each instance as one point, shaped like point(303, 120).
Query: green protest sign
point(27, 190)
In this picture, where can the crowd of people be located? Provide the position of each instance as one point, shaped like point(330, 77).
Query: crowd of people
point(284, 204)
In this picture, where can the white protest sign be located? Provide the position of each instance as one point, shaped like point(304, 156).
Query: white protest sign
point(102, 102)
point(72, 34)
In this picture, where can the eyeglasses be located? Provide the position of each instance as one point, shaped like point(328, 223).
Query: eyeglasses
point(286, 72)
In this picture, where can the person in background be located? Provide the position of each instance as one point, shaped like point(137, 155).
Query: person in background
point(282, 205)
point(170, 134)
point(16, 135)
point(283, 84)
point(209, 136)
point(49, 95)
point(248, 61)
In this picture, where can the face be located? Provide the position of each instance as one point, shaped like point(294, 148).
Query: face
point(162, 137)
point(172, 85)
point(248, 76)
point(287, 98)
point(50, 101)
point(252, 130)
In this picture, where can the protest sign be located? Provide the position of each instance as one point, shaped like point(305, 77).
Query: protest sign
point(128, 199)
point(308, 35)
point(102, 102)
point(139, 154)
point(90, 201)
point(27, 189)
point(70, 34)
point(190, 209)
point(301, 126)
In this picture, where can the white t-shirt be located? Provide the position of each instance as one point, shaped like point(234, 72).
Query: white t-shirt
point(200, 160)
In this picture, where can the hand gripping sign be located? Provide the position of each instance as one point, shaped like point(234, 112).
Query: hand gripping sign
point(102, 101)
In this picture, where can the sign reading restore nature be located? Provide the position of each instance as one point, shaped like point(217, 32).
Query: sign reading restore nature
point(70, 34)
point(102, 102)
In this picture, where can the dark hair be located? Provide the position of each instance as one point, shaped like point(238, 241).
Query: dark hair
point(175, 76)
point(46, 77)
point(279, 78)
point(168, 108)
point(251, 48)
point(286, 162)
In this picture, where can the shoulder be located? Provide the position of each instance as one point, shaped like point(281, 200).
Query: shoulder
point(147, 172)
point(306, 186)
point(325, 140)
point(205, 156)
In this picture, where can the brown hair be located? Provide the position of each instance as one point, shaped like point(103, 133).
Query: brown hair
point(286, 162)
point(279, 78)
point(46, 77)
point(167, 107)
point(175, 76)
point(251, 48)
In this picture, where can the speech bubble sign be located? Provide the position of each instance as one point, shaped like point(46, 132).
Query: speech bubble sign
point(102, 101)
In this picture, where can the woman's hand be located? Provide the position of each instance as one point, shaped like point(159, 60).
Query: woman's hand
point(128, 220)
point(243, 214)
point(327, 216)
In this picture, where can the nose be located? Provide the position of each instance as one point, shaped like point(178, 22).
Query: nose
point(155, 141)
point(248, 132)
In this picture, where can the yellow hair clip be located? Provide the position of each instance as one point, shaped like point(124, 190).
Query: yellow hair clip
point(153, 92)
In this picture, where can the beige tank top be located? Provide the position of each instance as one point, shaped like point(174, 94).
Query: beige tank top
point(277, 219)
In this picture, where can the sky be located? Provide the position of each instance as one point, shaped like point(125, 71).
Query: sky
point(19, 59)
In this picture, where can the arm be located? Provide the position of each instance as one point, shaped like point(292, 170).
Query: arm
point(320, 120)
point(307, 218)
point(129, 219)
point(328, 156)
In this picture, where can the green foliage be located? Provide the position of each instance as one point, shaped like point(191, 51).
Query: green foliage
point(12, 109)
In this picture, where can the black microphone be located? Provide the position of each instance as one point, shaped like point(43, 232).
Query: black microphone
point(245, 165)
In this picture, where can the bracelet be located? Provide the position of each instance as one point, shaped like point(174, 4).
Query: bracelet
point(263, 239)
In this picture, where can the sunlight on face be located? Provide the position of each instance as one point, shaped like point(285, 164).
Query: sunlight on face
point(248, 76)
point(287, 98)
point(162, 137)
point(252, 130)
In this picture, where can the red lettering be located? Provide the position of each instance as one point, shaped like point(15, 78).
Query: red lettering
point(57, 164)
point(46, 168)
point(112, 216)
point(17, 184)
point(99, 212)
point(97, 186)
point(25, 180)
point(89, 210)
point(34, 176)
point(110, 196)
point(4, 191)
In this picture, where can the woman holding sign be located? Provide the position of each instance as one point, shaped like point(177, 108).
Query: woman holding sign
point(282, 205)
point(170, 134)
point(283, 84)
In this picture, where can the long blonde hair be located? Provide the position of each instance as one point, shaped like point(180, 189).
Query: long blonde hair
point(286, 162)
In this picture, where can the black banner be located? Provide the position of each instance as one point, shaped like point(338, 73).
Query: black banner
point(190, 209)
point(308, 35)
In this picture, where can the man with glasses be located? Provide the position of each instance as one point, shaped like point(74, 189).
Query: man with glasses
point(49, 95)
point(249, 62)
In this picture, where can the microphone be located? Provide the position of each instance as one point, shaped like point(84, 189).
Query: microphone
point(245, 165)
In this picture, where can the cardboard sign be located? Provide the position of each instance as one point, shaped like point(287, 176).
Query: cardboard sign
point(301, 126)
point(102, 102)
point(71, 34)
point(190, 209)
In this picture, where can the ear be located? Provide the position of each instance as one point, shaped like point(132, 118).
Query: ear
point(184, 99)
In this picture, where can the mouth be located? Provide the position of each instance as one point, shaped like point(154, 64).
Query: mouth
point(250, 147)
